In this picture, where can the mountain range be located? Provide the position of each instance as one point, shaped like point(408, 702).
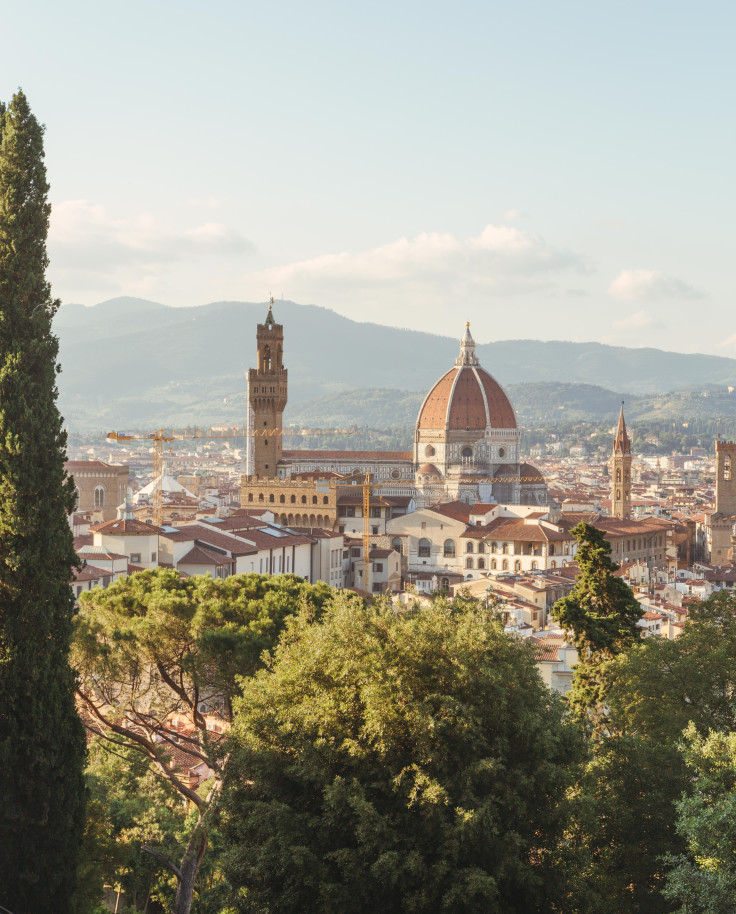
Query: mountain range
point(138, 364)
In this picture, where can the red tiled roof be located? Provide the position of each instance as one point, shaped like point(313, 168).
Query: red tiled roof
point(349, 456)
point(466, 397)
point(90, 573)
point(458, 510)
point(126, 527)
point(198, 555)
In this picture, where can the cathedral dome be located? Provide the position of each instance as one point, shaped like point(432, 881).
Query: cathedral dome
point(466, 397)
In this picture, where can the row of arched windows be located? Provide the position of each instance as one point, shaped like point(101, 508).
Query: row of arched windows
point(282, 499)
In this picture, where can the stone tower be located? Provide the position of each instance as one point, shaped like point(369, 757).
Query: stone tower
point(621, 471)
point(726, 477)
point(267, 386)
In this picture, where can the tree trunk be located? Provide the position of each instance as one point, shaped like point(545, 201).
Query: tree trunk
point(189, 868)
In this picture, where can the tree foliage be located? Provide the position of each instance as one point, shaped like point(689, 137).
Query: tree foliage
point(152, 651)
point(631, 790)
point(41, 739)
point(600, 614)
point(396, 762)
point(703, 880)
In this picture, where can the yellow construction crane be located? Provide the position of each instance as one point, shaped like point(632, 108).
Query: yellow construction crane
point(164, 436)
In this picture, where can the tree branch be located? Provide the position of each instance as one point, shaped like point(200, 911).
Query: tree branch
point(164, 860)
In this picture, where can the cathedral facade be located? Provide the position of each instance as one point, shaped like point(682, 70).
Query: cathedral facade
point(466, 443)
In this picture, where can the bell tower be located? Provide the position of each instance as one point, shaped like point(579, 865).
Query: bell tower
point(621, 471)
point(267, 388)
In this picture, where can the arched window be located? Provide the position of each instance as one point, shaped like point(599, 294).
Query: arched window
point(468, 562)
point(726, 467)
point(517, 565)
point(505, 548)
point(481, 546)
point(325, 500)
point(494, 547)
point(250, 496)
point(282, 499)
point(271, 497)
point(449, 549)
point(444, 583)
point(481, 563)
point(618, 474)
point(293, 499)
point(304, 499)
point(314, 499)
point(535, 566)
point(494, 564)
point(424, 548)
point(553, 564)
point(468, 547)
point(396, 544)
point(467, 452)
point(505, 565)
point(429, 451)
point(99, 497)
point(260, 496)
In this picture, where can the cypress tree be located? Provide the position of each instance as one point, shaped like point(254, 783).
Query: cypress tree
point(42, 743)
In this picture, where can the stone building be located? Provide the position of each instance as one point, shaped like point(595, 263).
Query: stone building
point(621, 471)
point(101, 487)
point(716, 533)
point(466, 447)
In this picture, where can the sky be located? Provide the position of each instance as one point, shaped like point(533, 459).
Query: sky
point(543, 170)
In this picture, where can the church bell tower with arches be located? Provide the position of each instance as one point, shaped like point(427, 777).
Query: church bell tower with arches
point(621, 471)
point(267, 391)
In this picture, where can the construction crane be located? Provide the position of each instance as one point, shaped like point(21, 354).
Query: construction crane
point(165, 436)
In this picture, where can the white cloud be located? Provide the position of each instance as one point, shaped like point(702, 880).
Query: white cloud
point(641, 320)
point(85, 238)
point(632, 285)
point(500, 258)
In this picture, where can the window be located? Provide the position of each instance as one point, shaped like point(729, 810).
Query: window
point(468, 547)
point(325, 500)
point(449, 549)
point(375, 512)
point(481, 563)
point(494, 564)
point(468, 563)
point(494, 547)
point(314, 499)
point(374, 531)
point(553, 564)
point(355, 552)
point(282, 499)
point(99, 497)
point(293, 499)
point(517, 565)
point(467, 452)
point(260, 496)
point(304, 499)
point(135, 558)
point(727, 467)
point(481, 546)
point(250, 496)
point(271, 497)
point(429, 451)
point(153, 556)
point(505, 565)
point(397, 544)
point(378, 566)
point(424, 548)
point(535, 566)
point(505, 548)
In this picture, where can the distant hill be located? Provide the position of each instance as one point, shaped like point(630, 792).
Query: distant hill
point(134, 363)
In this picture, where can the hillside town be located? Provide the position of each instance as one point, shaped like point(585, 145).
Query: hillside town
point(461, 513)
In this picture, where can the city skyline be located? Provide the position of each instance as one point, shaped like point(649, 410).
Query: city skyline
point(551, 173)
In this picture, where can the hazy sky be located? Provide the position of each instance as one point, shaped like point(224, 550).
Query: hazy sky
point(552, 170)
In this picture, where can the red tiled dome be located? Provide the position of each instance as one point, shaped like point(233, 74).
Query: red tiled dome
point(466, 397)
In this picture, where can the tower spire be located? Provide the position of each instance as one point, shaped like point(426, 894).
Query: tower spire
point(622, 442)
point(467, 349)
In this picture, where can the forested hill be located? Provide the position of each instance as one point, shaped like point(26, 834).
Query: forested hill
point(130, 362)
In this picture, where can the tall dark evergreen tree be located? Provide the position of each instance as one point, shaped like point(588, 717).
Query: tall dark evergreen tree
point(41, 738)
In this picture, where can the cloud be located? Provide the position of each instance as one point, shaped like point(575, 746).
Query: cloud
point(641, 320)
point(499, 258)
point(84, 237)
point(632, 285)
point(513, 215)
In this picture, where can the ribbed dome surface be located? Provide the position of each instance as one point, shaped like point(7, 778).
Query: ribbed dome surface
point(466, 397)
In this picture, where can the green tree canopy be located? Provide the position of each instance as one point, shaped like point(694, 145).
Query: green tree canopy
point(41, 738)
point(392, 762)
point(155, 653)
point(600, 615)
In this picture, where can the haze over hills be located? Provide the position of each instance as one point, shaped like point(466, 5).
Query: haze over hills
point(134, 363)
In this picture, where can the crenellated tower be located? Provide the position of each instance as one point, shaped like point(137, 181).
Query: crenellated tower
point(267, 391)
point(621, 471)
